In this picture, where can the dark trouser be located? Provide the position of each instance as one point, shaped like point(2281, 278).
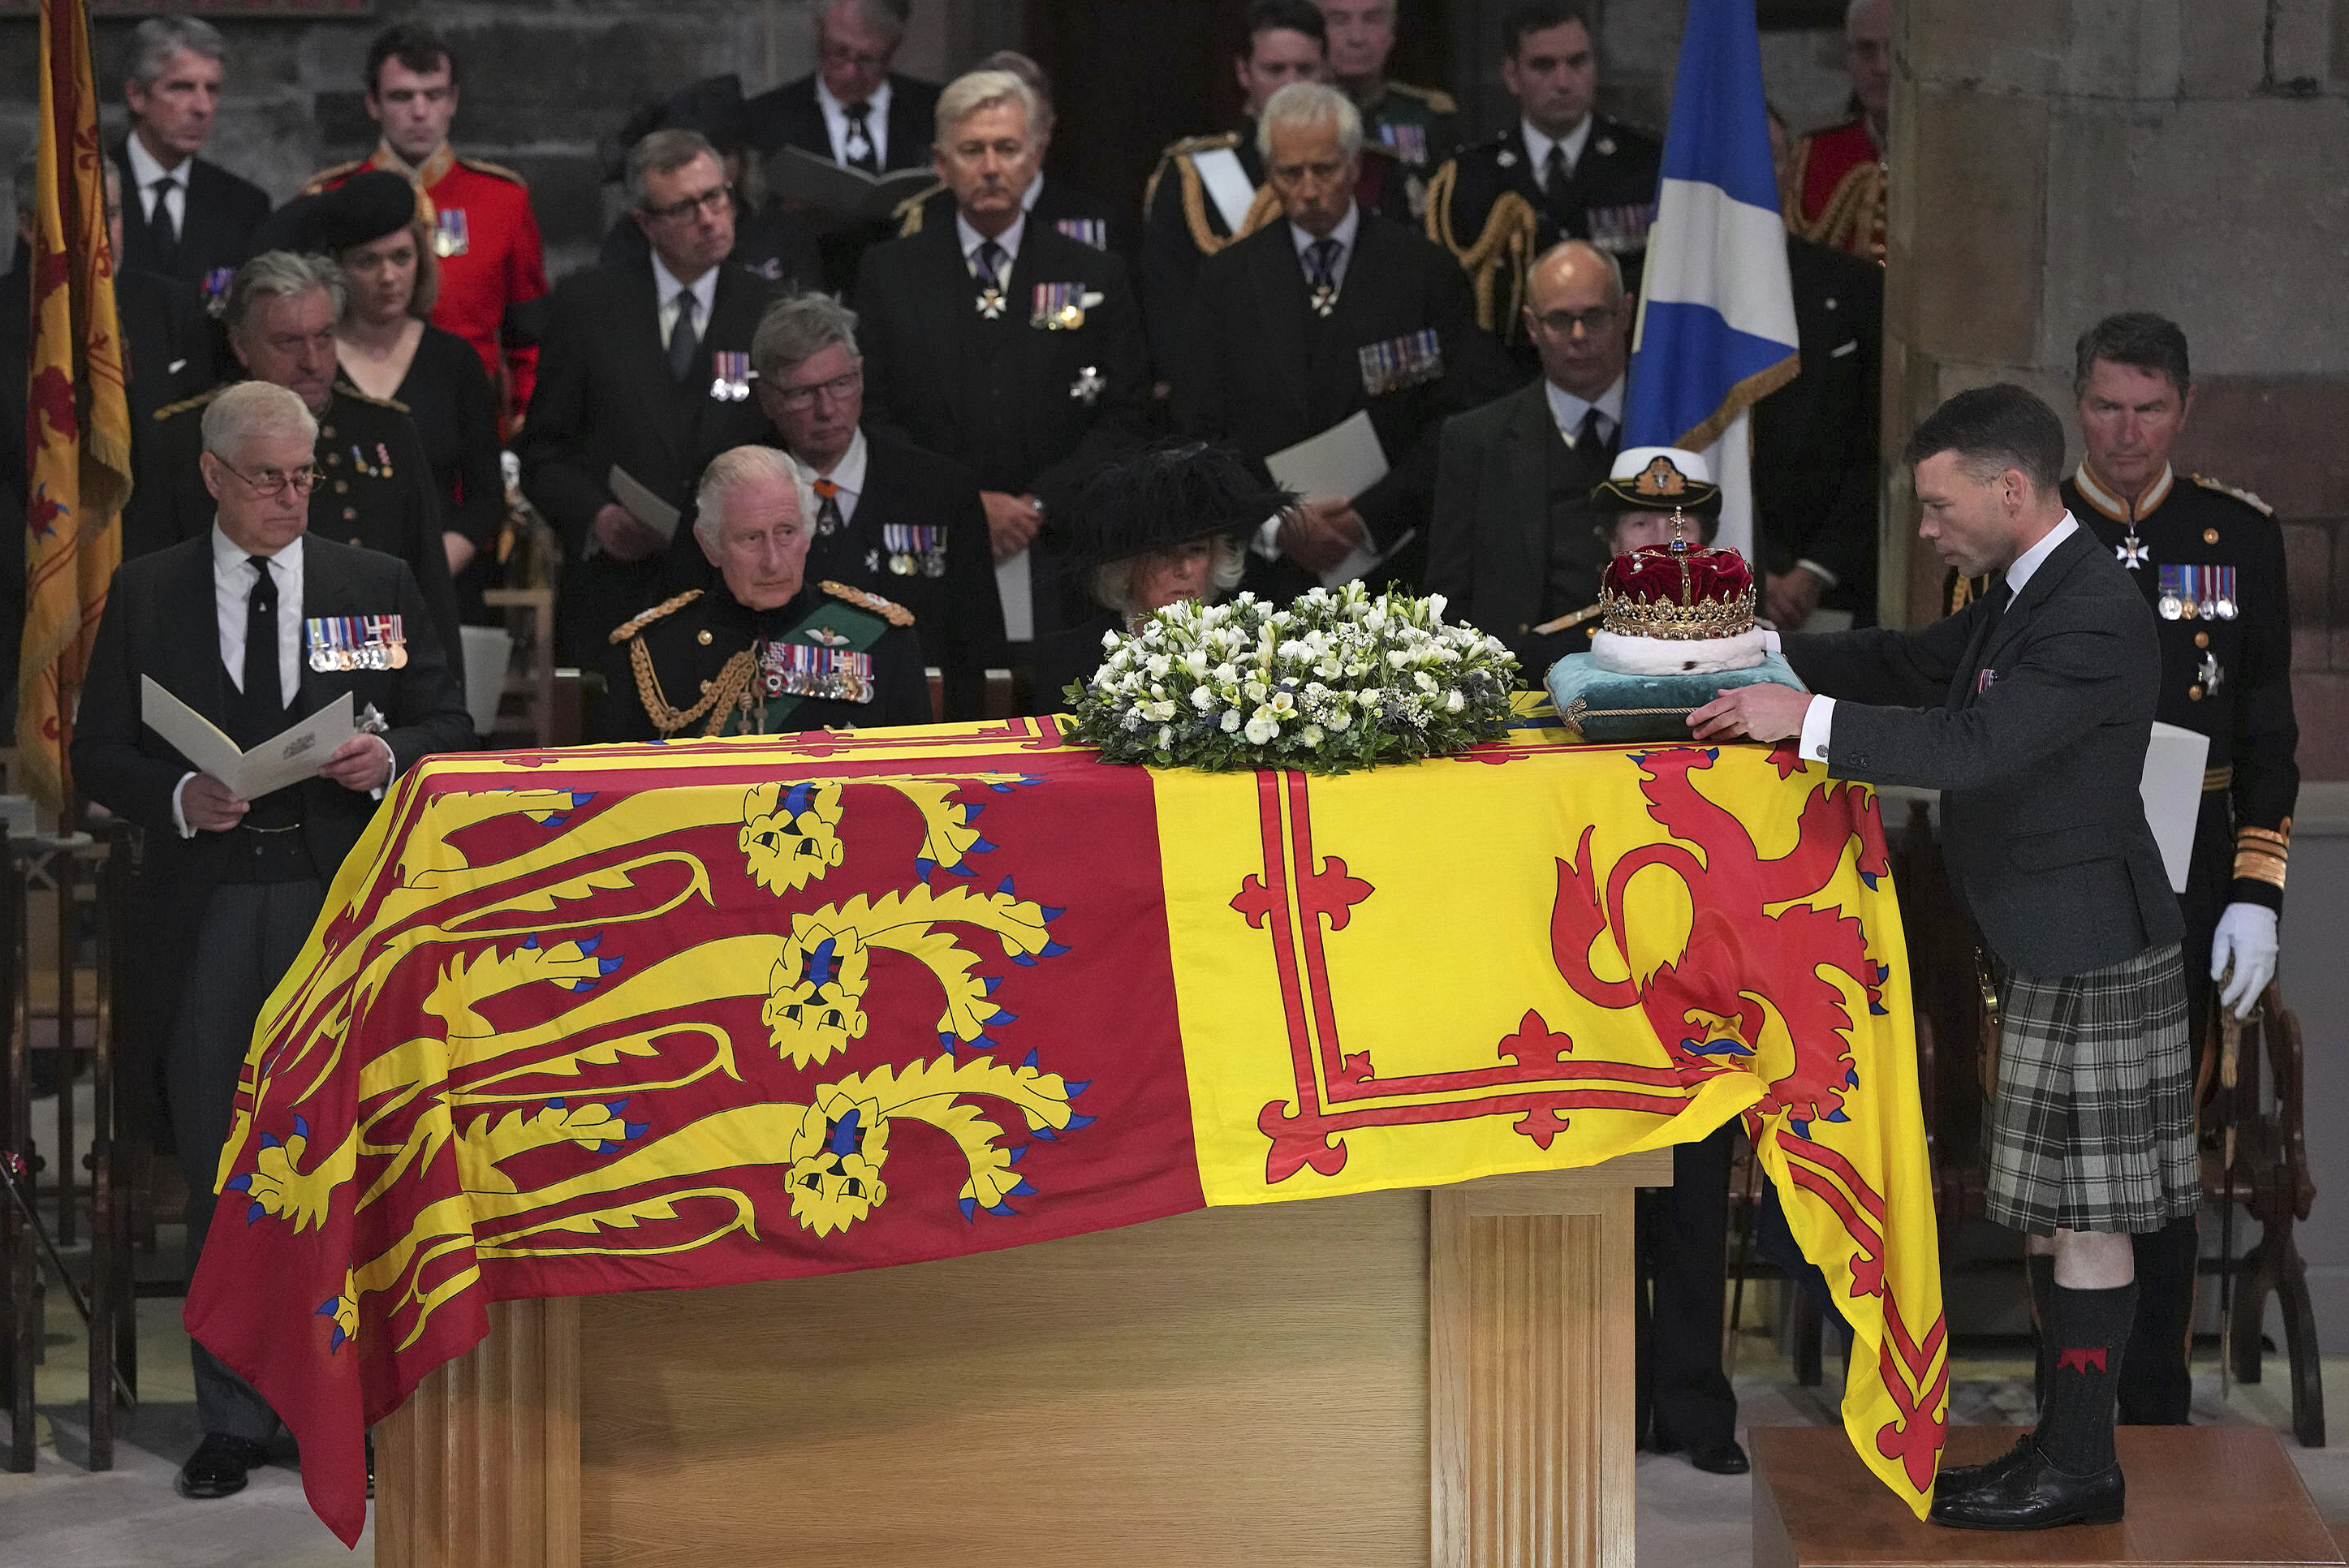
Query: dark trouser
point(247, 936)
point(1683, 1230)
point(2155, 1387)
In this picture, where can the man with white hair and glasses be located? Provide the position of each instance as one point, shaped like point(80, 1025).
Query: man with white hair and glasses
point(255, 625)
point(376, 486)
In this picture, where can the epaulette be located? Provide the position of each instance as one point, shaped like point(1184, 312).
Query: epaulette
point(497, 171)
point(1215, 142)
point(1437, 101)
point(908, 212)
point(331, 175)
point(348, 390)
point(2246, 496)
point(198, 401)
point(626, 629)
point(889, 610)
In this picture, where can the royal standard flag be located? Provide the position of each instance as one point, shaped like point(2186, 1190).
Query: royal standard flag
point(1716, 331)
point(78, 420)
point(651, 1016)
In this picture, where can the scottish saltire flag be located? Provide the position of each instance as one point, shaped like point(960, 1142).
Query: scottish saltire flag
point(1716, 311)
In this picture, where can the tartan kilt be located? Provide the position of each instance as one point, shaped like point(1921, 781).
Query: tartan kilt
point(2091, 1126)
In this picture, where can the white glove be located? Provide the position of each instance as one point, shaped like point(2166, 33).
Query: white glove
point(2245, 942)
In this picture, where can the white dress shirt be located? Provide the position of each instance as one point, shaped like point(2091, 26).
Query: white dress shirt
point(666, 288)
point(145, 171)
point(1818, 719)
point(232, 581)
point(1537, 147)
point(876, 121)
point(1568, 410)
point(848, 474)
point(1348, 227)
point(1006, 242)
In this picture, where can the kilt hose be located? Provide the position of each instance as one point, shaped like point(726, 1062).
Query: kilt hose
point(2091, 1125)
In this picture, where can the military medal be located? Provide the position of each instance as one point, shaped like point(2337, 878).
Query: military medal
point(914, 548)
point(1059, 308)
point(729, 373)
point(1505, 158)
point(1413, 360)
point(1089, 385)
point(1407, 142)
point(799, 669)
point(215, 287)
point(2131, 552)
point(2211, 674)
point(448, 234)
point(1324, 300)
point(990, 302)
point(1085, 232)
point(2197, 592)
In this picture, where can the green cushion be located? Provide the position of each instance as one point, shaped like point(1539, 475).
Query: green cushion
point(1615, 708)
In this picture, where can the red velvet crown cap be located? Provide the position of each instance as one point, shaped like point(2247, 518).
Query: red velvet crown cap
point(1666, 574)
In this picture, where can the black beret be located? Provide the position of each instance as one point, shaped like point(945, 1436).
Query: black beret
point(366, 207)
point(712, 106)
point(1165, 496)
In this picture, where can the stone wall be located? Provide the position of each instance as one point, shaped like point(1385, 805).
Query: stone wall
point(2055, 161)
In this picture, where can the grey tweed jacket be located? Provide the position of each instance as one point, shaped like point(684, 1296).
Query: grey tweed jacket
point(2034, 724)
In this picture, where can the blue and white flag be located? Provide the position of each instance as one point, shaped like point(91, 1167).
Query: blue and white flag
point(1717, 310)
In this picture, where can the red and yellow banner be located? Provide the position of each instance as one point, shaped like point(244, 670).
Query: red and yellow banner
point(648, 1016)
point(77, 419)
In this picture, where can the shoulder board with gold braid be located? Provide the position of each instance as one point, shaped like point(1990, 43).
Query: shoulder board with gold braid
point(496, 171)
point(626, 629)
point(1436, 101)
point(2246, 496)
point(346, 389)
point(908, 212)
point(329, 175)
point(889, 610)
point(1178, 152)
point(198, 401)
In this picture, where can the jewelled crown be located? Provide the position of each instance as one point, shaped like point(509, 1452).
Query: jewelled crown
point(1677, 593)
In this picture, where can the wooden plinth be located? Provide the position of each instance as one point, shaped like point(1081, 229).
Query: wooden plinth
point(1394, 1379)
point(2197, 1495)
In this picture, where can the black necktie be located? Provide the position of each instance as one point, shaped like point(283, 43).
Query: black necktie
point(1556, 176)
point(164, 232)
point(858, 142)
point(264, 693)
point(1588, 434)
point(682, 339)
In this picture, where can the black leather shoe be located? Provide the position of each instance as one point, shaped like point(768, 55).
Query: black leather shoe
point(218, 1466)
point(2032, 1494)
point(1724, 1458)
point(1957, 1478)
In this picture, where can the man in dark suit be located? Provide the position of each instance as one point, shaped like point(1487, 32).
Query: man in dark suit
point(1518, 540)
point(1208, 190)
point(852, 110)
point(2030, 710)
point(1056, 201)
point(644, 368)
point(889, 518)
point(1562, 171)
point(1328, 312)
point(231, 887)
point(1007, 346)
point(189, 218)
point(377, 491)
point(768, 241)
point(1814, 446)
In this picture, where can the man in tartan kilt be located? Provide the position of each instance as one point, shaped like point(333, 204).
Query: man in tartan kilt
point(2030, 710)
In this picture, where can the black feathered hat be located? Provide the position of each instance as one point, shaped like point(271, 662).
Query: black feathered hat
point(1163, 496)
point(366, 207)
point(712, 106)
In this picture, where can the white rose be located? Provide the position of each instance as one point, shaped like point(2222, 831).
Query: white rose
point(1261, 729)
point(1454, 702)
point(1255, 690)
point(1165, 738)
point(1159, 666)
point(1196, 662)
point(1435, 603)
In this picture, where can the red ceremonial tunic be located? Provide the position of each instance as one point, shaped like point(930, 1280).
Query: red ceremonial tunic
point(486, 239)
point(1840, 173)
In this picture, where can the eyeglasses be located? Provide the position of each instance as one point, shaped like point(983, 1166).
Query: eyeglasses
point(1562, 323)
point(837, 389)
point(714, 200)
point(272, 481)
